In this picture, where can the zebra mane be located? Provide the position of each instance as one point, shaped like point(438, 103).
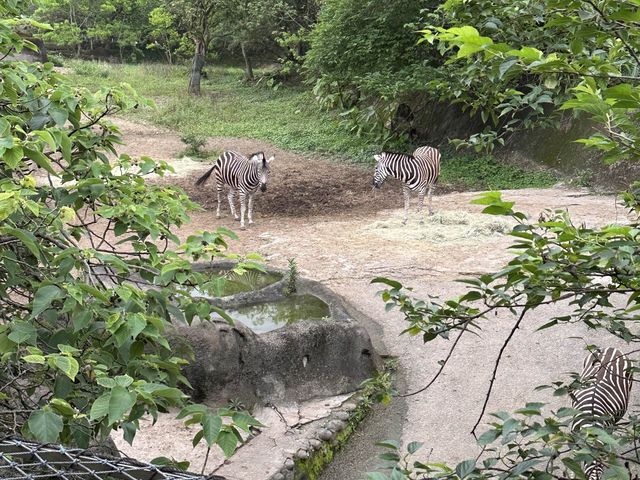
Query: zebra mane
point(260, 156)
point(409, 156)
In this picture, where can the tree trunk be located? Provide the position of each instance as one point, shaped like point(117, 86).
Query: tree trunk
point(196, 67)
point(248, 69)
point(42, 50)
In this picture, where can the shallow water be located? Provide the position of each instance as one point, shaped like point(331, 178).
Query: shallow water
point(265, 317)
point(223, 284)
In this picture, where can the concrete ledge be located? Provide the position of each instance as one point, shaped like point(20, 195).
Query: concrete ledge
point(307, 359)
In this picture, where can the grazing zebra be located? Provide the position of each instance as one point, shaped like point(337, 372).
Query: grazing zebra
point(603, 399)
point(417, 172)
point(242, 175)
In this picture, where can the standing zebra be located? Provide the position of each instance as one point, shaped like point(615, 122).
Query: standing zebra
point(417, 172)
point(602, 400)
point(242, 175)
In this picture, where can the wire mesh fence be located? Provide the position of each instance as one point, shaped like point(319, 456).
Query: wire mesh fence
point(22, 459)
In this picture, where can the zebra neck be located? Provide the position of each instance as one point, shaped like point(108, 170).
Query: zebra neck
point(252, 175)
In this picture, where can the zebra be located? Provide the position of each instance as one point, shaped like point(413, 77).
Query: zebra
point(603, 399)
point(242, 175)
point(417, 172)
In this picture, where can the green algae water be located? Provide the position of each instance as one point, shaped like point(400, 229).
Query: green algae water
point(248, 281)
point(223, 284)
point(268, 316)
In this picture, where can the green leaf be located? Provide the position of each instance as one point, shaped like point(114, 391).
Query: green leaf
point(227, 441)
point(34, 359)
point(44, 297)
point(487, 437)
point(62, 406)
point(120, 402)
point(524, 466)
point(413, 447)
point(81, 320)
point(466, 468)
point(41, 160)
point(45, 426)
point(65, 146)
point(100, 407)
point(392, 444)
point(67, 365)
point(386, 281)
point(27, 238)
point(377, 476)
point(211, 425)
point(22, 332)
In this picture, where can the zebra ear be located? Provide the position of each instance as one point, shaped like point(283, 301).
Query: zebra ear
point(271, 158)
point(377, 157)
point(257, 156)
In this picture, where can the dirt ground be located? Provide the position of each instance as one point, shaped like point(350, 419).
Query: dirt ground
point(325, 216)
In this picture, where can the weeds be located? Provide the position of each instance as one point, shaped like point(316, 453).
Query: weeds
point(292, 278)
point(484, 172)
point(194, 144)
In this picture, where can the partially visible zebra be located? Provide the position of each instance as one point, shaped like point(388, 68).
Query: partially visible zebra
point(243, 176)
point(418, 172)
point(603, 399)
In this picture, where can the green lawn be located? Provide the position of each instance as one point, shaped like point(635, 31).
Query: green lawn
point(287, 117)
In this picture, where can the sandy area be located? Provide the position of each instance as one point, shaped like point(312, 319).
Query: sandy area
point(345, 239)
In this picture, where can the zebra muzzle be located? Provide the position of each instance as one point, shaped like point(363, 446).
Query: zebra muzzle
point(263, 188)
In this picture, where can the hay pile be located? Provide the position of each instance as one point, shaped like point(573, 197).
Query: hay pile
point(441, 227)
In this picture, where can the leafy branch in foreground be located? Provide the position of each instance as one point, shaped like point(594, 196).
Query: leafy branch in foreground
point(526, 444)
point(556, 262)
point(91, 273)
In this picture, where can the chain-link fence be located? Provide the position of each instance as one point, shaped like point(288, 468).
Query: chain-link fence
point(22, 459)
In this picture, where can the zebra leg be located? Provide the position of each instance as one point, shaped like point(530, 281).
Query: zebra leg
point(430, 200)
point(421, 203)
point(243, 207)
point(406, 193)
point(231, 197)
point(250, 209)
point(219, 191)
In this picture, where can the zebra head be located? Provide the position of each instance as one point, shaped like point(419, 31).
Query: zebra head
point(262, 166)
point(381, 173)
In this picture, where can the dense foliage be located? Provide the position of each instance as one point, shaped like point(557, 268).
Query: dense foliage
point(522, 64)
point(91, 273)
point(365, 61)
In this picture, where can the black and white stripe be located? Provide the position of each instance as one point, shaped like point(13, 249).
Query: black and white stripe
point(242, 175)
point(607, 378)
point(418, 172)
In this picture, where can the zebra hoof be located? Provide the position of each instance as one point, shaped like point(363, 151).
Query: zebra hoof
point(242, 227)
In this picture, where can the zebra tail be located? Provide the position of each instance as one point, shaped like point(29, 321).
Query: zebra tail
point(205, 177)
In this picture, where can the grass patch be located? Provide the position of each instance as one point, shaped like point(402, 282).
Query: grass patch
point(288, 117)
point(469, 172)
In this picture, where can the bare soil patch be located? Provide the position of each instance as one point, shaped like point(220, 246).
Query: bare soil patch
point(299, 184)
